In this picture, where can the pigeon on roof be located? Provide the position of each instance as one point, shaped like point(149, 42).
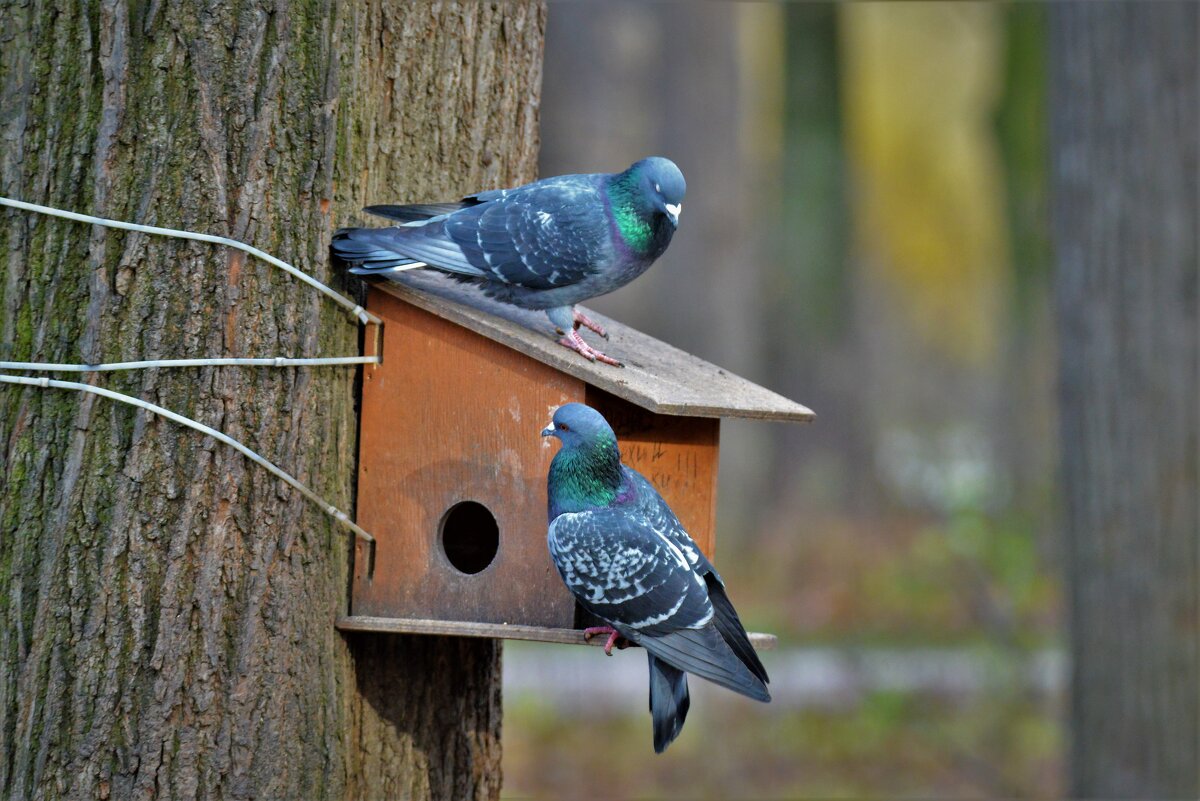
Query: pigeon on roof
point(627, 559)
point(546, 245)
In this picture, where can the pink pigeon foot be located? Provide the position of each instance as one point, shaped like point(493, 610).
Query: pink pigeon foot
point(588, 322)
point(575, 342)
point(613, 637)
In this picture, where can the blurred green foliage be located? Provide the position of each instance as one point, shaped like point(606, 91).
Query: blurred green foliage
point(887, 744)
point(972, 576)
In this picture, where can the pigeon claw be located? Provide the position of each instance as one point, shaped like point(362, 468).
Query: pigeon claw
point(575, 342)
point(613, 638)
point(588, 323)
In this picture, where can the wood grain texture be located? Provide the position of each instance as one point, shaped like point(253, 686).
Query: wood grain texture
point(454, 628)
point(166, 607)
point(658, 377)
point(1125, 80)
point(451, 416)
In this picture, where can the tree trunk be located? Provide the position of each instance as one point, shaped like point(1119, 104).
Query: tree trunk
point(1124, 127)
point(166, 606)
point(808, 341)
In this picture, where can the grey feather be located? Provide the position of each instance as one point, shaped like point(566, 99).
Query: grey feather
point(729, 625)
point(416, 211)
point(705, 653)
point(669, 702)
point(725, 617)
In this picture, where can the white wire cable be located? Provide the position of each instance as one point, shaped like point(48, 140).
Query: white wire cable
point(362, 314)
point(364, 317)
point(277, 361)
point(329, 509)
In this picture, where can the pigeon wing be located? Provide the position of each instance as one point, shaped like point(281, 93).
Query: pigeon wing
point(547, 235)
point(703, 651)
point(625, 573)
point(729, 625)
point(544, 235)
point(725, 617)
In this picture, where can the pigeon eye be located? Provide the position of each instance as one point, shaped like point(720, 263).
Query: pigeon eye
point(563, 427)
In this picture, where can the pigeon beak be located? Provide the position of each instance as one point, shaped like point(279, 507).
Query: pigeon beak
point(673, 210)
point(549, 431)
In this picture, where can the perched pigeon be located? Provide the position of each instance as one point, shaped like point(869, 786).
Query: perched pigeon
point(546, 245)
point(628, 560)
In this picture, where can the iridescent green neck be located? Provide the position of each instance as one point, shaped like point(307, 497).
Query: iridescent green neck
point(632, 224)
point(583, 478)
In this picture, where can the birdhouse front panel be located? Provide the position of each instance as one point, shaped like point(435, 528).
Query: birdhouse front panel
point(452, 476)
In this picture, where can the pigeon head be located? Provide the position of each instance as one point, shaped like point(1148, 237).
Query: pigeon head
point(586, 471)
point(646, 201)
point(580, 426)
point(662, 185)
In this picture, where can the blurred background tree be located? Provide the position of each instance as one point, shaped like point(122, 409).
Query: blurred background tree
point(1126, 83)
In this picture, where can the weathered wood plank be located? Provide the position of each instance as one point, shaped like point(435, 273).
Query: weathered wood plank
point(502, 631)
point(658, 377)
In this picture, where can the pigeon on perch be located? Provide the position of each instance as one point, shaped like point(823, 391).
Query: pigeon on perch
point(627, 559)
point(546, 245)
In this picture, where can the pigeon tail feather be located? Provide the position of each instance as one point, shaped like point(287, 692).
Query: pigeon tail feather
point(704, 652)
point(669, 702)
point(367, 249)
point(416, 211)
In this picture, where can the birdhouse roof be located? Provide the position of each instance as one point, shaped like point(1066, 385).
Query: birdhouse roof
point(656, 376)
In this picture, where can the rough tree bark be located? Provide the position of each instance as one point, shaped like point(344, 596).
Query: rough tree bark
point(1125, 83)
point(166, 607)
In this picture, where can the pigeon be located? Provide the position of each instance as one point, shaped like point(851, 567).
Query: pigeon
point(545, 246)
point(625, 556)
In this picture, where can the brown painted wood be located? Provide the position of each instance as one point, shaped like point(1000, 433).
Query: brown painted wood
point(454, 628)
point(677, 454)
point(656, 376)
point(451, 416)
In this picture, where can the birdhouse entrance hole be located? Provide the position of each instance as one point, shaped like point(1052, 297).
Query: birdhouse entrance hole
point(469, 536)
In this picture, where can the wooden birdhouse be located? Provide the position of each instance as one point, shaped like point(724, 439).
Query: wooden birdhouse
point(452, 467)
